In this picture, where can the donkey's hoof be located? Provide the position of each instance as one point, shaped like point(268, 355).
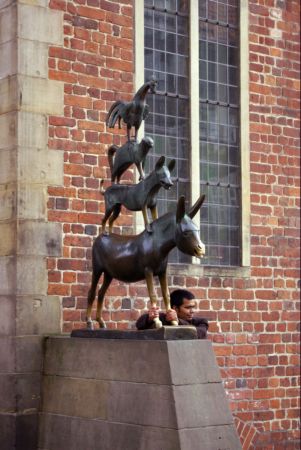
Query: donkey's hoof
point(174, 323)
point(101, 323)
point(158, 323)
point(149, 228)
point(90, 325)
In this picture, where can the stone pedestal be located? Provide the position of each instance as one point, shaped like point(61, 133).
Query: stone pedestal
point(126, 394)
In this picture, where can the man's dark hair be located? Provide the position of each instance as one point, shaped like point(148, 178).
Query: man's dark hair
point(177, 297)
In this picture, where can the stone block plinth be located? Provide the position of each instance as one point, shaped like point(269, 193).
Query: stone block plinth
point(134, 394)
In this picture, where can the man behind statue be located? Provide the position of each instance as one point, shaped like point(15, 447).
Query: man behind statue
point(183, 305)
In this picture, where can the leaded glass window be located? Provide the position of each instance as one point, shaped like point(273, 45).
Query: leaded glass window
point(219, 130)
point(166, 53)
point(166, 43)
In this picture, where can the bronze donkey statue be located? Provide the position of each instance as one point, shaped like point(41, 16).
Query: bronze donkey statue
point(120, 158)
point(137, 197)
point(134, 258)
point(132, 113)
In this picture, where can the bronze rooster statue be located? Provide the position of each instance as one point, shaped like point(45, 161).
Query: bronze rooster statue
point(132, 113)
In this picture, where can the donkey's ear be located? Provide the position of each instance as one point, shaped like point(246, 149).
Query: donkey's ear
point(180, 209)
point(160, 163)
point(171, 165)
point(194, 209)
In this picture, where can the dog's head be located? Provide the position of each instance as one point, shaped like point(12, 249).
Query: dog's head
point(163, 172)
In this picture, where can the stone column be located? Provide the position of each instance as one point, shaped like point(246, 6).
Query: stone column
point(27, 167)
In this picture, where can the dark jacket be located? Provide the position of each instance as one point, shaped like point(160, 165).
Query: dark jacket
point(143, 323)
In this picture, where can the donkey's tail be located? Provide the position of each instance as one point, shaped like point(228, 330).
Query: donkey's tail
point(102, 190)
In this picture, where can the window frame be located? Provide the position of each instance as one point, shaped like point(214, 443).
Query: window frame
point(195, 268)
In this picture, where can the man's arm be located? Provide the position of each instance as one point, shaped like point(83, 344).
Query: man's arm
point(202, 326)
point(146, 321)
point(143, 323)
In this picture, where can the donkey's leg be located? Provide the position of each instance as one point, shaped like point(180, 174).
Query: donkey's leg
point(115, 214)
point(154, 212)
point(106, 283)
point(152, 294)
point(145, 217)
point(91, 296)
point(165, 294)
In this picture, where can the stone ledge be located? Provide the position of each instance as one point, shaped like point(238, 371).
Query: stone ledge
point(197, 270)
point(163, 334)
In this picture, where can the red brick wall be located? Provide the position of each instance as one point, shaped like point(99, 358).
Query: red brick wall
point(96, 65)
point(254, 320)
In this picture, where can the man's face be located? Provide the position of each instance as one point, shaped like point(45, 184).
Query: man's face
point(186, 310)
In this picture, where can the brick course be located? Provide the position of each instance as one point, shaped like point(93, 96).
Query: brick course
point(255, 319)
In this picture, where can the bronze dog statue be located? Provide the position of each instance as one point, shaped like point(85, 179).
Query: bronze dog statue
point(121, 158)
point(137, 197)
point(134, 258)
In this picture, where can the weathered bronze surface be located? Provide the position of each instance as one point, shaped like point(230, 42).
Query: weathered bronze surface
point(138, 197)
point(132, 113)
point(121, 158)
point(134, 258)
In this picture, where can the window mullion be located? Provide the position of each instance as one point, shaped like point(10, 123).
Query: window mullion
point(244, 132)
point(138, 82)
point(139, 52)
point(194, 103)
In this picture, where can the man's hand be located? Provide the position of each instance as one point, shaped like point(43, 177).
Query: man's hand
point(153, 313)
point(171, 315)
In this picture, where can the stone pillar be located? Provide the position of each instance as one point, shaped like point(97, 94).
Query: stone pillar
point(27, 28)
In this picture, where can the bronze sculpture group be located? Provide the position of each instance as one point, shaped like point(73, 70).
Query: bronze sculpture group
point(136, 257)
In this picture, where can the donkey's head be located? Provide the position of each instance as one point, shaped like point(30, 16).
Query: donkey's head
point(162, 172)
point(187, 233)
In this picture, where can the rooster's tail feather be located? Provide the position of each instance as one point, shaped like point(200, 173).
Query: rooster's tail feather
point(113, 112)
